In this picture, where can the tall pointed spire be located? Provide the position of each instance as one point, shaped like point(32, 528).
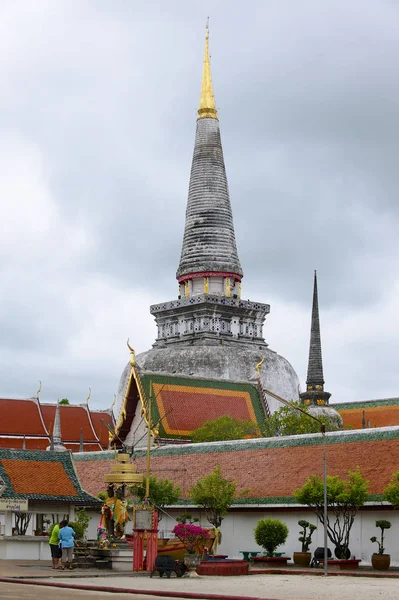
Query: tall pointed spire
point(209, 308)
point(315, 393)
point(207, 107)
point(315, 364)
point(209, 244)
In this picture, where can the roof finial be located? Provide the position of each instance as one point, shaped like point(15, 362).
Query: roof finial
point(88, 397)
point(39, 390)
point(207, 107)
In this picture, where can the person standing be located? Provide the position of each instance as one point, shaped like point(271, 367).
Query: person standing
point(55, 546)
point(66, 537)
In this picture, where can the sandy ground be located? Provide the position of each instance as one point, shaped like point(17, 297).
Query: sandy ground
point(276, 587)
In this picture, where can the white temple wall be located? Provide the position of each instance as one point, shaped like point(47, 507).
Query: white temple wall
point(239, 524)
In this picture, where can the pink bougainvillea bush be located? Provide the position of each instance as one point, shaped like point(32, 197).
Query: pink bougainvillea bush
point(191, 536)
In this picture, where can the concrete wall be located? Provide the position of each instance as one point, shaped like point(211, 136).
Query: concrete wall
point(238, 531)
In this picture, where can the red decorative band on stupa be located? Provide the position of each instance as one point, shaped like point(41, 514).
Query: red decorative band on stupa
point(189, 276)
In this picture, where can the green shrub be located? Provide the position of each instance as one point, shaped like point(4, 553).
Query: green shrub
point(270, 533)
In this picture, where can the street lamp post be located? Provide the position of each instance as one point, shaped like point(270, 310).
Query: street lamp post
point(323, 433)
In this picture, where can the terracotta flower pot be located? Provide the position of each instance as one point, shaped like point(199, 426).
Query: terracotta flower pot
point(302, 559)
point(381, 562)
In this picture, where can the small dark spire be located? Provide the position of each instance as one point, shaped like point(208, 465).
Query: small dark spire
point(315, 393)
point(315, 364)
point(81, 446)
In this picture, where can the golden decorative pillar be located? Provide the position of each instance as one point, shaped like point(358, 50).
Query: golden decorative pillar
point(228, 287)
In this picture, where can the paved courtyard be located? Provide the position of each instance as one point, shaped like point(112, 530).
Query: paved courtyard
point(276, 587)
point(271, 587)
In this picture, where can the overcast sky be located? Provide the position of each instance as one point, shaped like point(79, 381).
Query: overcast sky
point(98, 107)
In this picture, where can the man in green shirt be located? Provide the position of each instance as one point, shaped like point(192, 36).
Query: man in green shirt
point(54, 546)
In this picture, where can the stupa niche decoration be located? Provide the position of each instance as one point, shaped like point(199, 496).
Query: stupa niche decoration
point(209, 338)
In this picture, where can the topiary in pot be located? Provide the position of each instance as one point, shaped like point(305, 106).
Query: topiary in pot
point(303, 558)
point(270, 533)
point(380, 560)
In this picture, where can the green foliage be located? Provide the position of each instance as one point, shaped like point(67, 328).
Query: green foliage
point(382, 524)
point(82, 520)
point(288, 421)
point(102, 495)
point(187, 518)
point(391, 492)
point(78, 529)
point(270, 533)
point(344, 498)
point(306, 540)
point(163, 492)
point(215, 495)
point(64, 401)
point(224, 428)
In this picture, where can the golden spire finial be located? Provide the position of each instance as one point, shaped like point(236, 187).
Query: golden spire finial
point(207, 108)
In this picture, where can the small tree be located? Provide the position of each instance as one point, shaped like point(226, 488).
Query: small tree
point(391, 492)
point(225, 428)
point(163, 492)
point(80, 524)
point(344, 498)
point(288, 421)
point(64, 401)
point(215, 495)
point(270, 533)
point(306, 540)
point(382, 525)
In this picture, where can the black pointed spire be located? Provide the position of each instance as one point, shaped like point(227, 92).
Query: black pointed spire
point(315, 393)
point(315, 364)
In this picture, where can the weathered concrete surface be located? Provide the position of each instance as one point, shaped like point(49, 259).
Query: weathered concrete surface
point(231, 362)
point(209, 240)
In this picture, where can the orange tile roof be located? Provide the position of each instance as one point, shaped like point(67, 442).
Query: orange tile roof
point(36, 477)
point(21, 416)
point(270, 468)
point(30, 443)
point(73, 419)
point(99, 427)
point(187, 408)
point(374, 416)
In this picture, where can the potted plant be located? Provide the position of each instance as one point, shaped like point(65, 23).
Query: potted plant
point(193, 538)
point(380, 560)
point(304, 557)
point(270, 534)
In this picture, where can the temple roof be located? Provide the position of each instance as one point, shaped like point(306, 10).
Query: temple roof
point(181, 404)
point(42, 476)
point(209, 244)
point(21, 415)
point(370, 413)
point(270, 468)
point(29, 423)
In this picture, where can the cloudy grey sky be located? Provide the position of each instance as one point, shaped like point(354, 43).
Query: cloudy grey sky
point(98, 104)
